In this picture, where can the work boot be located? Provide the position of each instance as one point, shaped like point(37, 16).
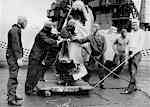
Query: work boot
point(14, 103)
point(131, 88)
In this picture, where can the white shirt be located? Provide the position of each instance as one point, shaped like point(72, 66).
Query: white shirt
point(110, 38)
point(136, 40)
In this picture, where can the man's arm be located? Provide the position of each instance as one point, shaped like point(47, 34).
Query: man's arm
point(82, 41)
point(105, 44)
point(114, 46)
point(16, 43)
point(48, 40)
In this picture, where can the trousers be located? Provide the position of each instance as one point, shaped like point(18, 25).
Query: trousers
point(13, 74)
point(118, 59)
point(34, 74)
point(133, 64)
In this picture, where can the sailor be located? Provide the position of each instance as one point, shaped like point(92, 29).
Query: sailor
point(43, 41)
point(135, 46)
point(52, 53)
point(14, 56)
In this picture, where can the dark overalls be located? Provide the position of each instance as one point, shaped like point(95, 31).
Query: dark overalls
point(51, 58)
point(43, 41)
point(14, 51)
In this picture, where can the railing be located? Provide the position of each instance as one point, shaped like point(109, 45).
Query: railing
point(3, 47)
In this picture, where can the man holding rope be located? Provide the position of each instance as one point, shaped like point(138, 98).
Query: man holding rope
point(135, 47)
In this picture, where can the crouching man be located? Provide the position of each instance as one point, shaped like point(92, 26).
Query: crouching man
point(98, 47)
point(43, 41)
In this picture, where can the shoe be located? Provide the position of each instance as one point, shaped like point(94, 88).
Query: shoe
point(126, 91)
point(18, 98)
point(14, 103)
point(130, 89)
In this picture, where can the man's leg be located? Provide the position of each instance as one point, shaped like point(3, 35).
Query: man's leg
point(12, 80)
point(122, 59)
point(33, 76)
point(133, 67)
point(51, 58)
point(116, 61)
point(101, 71)
point(44, 69)
point(89, 66)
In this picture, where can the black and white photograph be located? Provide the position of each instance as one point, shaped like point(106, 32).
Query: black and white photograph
point(74, 53)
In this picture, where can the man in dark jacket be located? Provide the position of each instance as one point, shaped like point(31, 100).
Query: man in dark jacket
point(50, 59)
point(44, 40)
point(14, 56)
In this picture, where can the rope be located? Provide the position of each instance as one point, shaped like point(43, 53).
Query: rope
point(26, 51)
point(111, 71)
point(144, 52)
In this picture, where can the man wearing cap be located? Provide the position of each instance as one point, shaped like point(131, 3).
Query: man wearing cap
point(52, 52)
point(14, 56)
point(44, 40)
point(136, 41)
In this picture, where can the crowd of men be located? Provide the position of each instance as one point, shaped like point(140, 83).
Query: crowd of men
point(47, 45)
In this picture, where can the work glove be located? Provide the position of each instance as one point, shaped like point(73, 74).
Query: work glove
point(20, 62)
point(60, 41)
point(75, 40)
